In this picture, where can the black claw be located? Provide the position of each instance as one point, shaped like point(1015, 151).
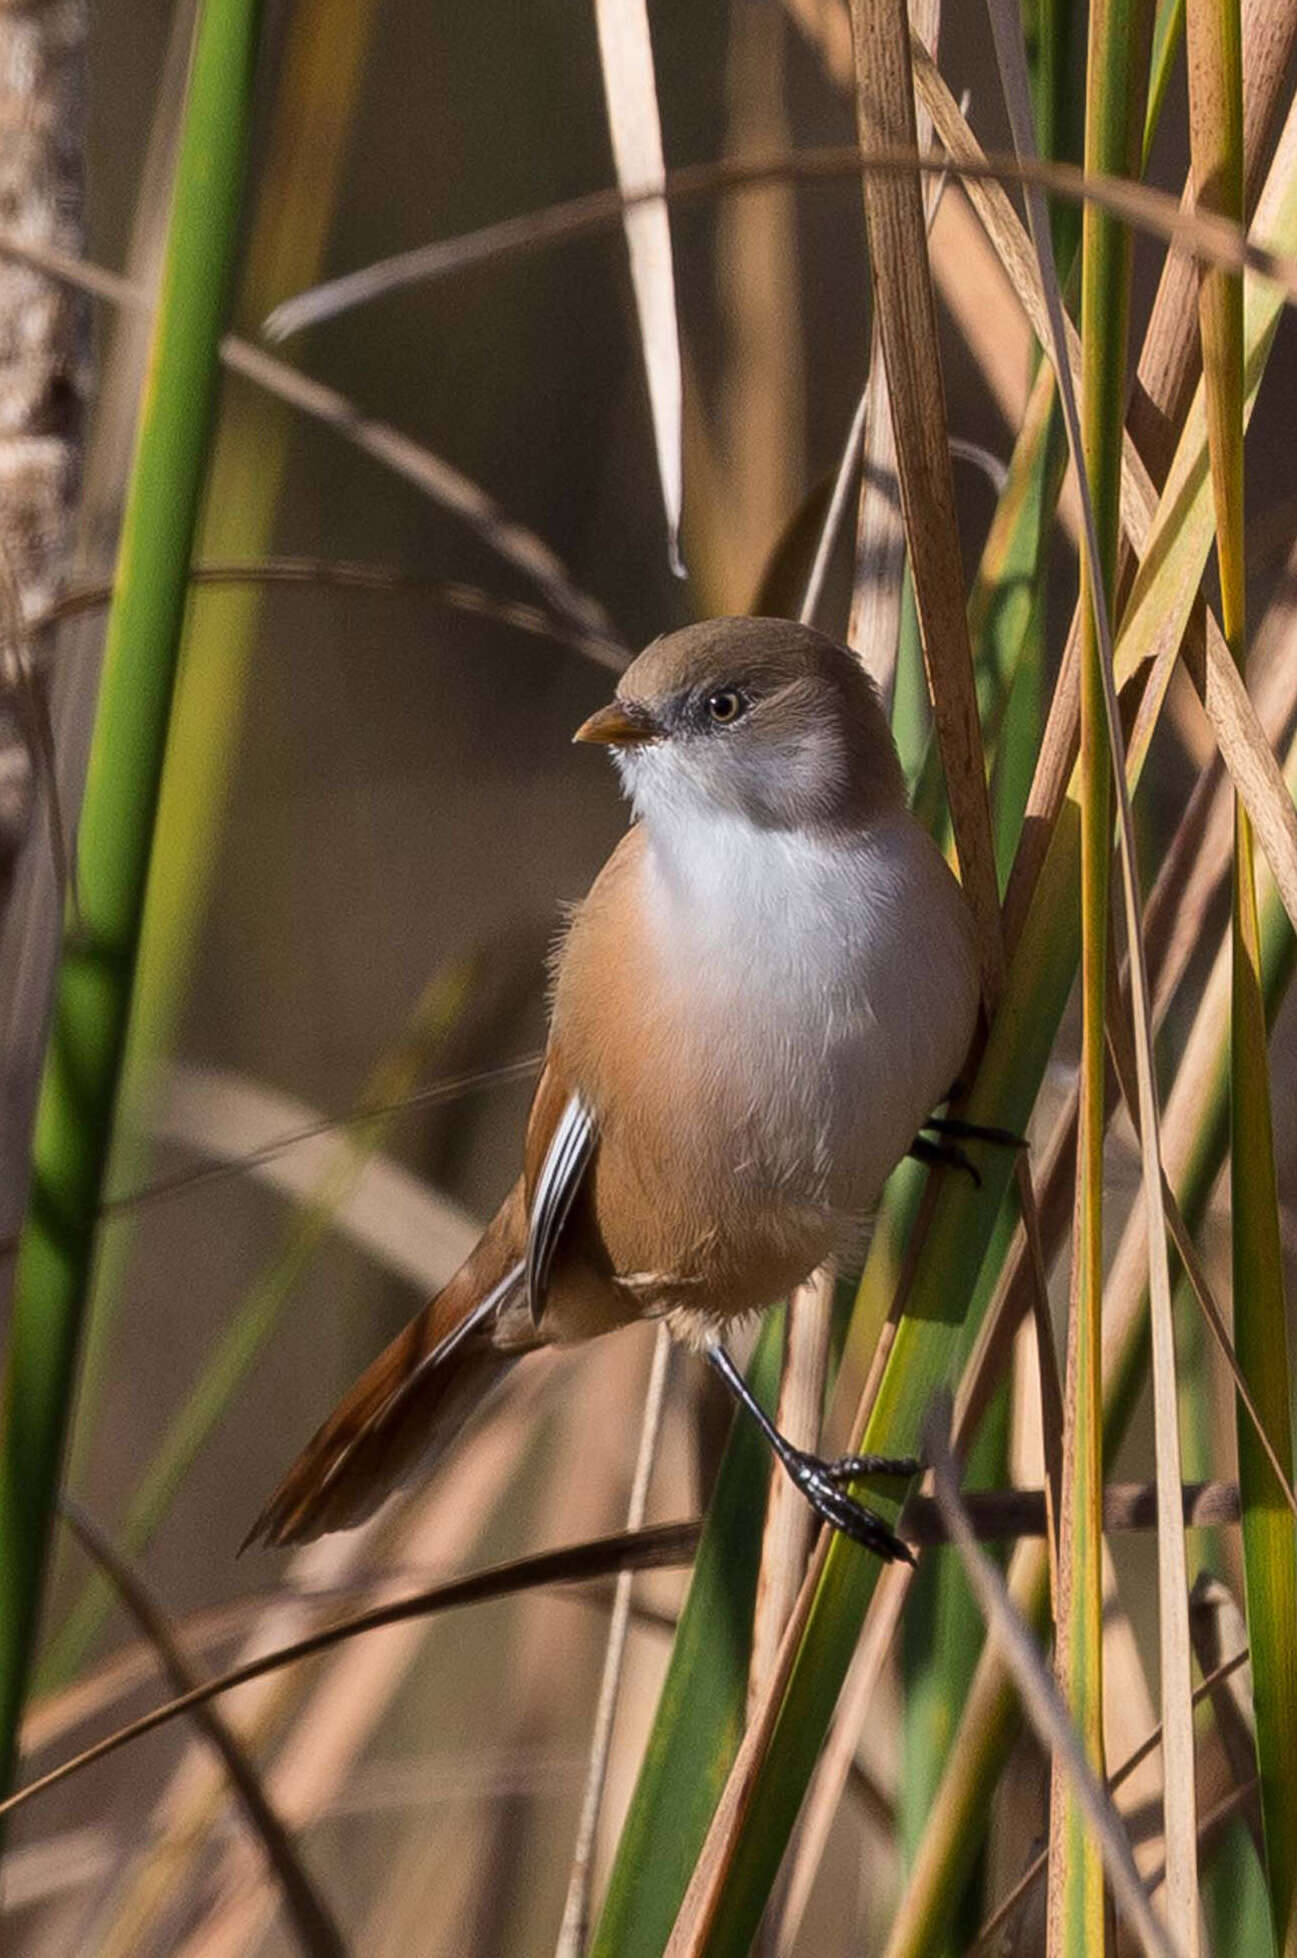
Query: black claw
point(842, 1512)
point(974, 1132)
point(947, 1155)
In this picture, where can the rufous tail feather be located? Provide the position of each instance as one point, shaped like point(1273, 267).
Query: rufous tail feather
point(409, 1405)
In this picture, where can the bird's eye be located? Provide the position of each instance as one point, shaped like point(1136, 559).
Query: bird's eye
point(725, 706)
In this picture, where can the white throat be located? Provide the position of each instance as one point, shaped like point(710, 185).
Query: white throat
point(831, 975)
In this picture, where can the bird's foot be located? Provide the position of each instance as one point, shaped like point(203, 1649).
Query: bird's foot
point(945, 1155)
point(821, 1483)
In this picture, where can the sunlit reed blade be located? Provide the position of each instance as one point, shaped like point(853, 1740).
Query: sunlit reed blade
point(630, 93)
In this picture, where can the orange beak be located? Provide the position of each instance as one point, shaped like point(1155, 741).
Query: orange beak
point(620, 724)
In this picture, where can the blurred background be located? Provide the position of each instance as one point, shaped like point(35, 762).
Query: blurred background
point(372, 820)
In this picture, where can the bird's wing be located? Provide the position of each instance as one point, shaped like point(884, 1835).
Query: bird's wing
point(550, 1194)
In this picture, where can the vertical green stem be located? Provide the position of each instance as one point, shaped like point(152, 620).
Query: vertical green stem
point(1260, 1319)
point(320, 67)
point(1117, 70)
point(1260, 1335)
point(93, 993)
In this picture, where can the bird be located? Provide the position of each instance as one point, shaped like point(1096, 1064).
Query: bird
point(770, 986)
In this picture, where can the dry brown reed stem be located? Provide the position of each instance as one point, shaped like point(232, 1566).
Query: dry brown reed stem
point(576, 1909)
point(906, 314)
point(790, 1522)
point(311, 1918)
point(875, 617)
point(760, 421)
point(1169, 363)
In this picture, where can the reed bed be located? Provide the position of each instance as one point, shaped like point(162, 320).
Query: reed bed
point(475, 359)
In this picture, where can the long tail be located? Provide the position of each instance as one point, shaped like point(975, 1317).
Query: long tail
point(409, 1405)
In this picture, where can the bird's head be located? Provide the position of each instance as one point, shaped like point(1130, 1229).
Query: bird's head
point(763, 719)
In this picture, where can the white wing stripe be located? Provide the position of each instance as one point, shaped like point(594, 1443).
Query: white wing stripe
point(566, 1161)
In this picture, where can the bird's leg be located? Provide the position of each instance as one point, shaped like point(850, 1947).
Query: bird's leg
point(822, 1483)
